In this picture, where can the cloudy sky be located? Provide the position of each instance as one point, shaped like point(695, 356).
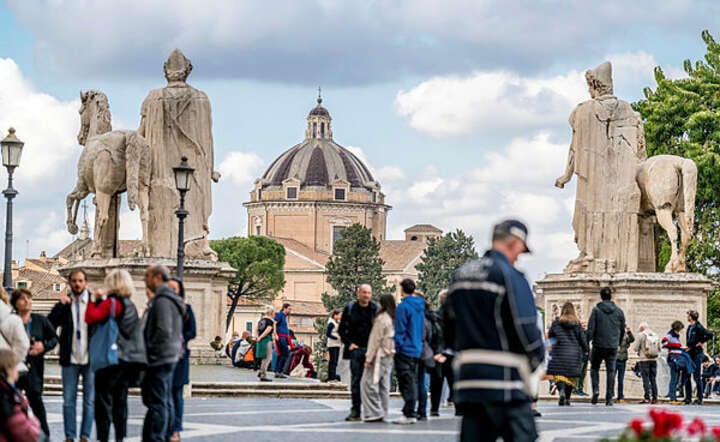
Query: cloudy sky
point(459, 106)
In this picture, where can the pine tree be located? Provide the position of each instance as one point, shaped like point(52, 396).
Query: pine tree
point(355, 261)
point(441, 258)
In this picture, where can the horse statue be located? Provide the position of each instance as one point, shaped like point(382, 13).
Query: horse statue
point(668, 185)
point(111, 163)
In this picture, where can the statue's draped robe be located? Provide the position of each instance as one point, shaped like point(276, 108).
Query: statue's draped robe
point(176, 121)
point(608, 145)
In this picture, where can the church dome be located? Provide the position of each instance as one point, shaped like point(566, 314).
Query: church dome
point(319, 160)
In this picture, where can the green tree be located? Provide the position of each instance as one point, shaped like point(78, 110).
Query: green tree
point(441, 257)
point(259, 262)
point(682, 117)
point(355, 260)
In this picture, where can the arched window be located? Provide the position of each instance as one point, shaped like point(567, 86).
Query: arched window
point(322, 130)
point(314, 130)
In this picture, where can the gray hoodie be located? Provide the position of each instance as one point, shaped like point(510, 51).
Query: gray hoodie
point(163, 323)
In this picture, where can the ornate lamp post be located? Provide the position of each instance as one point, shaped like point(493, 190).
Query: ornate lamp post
point(11, 152)
point(183, 177)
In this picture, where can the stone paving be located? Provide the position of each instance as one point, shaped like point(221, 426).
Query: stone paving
point(273, 420)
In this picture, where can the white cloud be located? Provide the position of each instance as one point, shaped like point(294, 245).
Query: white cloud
point(47, 125)
point(389, 173)
point(241, 168)
point(515, 181)
point(500, 101)
point(489, 101)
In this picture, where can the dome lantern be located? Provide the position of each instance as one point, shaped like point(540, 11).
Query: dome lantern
point(318, 121)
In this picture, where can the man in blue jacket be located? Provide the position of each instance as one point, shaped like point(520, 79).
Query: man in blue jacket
point(409, 330)
point(491, 327)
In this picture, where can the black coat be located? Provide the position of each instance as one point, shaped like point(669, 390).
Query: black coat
point(569, 349)
point(61, 316)
point(40, 331)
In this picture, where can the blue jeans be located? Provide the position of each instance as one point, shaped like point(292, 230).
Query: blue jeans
point(620, 376)
point(284, 351)
point(70, 380)
point(178, 406)
point(357, 367)
point(422, 390)
point(156, 397)
point(697, 374)
point(677, 375)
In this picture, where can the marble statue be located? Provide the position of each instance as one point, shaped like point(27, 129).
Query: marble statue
point(176, 121)
point(618, 188)
point(111, 163)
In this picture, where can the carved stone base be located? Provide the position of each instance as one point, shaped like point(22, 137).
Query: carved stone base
point(205, 290)
point(658, 298)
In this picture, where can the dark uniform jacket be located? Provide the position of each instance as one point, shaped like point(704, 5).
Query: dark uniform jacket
point(606, 327)
point(491, 326)
point(39, 330)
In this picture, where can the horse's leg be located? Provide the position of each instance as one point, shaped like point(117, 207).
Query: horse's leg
point(664, 217)
point(685, 236)
point(102, 206)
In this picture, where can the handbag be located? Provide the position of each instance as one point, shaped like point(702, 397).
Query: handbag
point(103, 348)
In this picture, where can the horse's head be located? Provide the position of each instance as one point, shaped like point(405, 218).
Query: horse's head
point(94, 115)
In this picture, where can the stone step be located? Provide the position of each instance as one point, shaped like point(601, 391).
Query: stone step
point(55, 382)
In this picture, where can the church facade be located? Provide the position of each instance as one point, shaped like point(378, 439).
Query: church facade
point(304, 200)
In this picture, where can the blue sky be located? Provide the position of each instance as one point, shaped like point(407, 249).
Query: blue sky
point(459, 106)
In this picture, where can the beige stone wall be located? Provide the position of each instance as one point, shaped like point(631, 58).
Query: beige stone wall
point(304, 286)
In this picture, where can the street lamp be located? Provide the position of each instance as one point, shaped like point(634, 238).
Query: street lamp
point(183, 177)
point(11, 152)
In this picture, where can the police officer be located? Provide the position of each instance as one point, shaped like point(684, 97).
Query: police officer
point(491, 326)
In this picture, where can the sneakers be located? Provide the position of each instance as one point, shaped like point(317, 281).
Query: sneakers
point(434, 413)
point(654, 401)
point(621, 401)
point(353, 417)
point(264, 379)
point(594, 399)
point(609, 403)
point(280, 376)
point(579, 393)
point(404, 420)
point(644, 401)
point(422, 417)
point(676, 403)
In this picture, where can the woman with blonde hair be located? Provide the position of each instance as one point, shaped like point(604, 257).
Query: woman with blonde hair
point(112, 383)
point(568, 351)
point(267, 334)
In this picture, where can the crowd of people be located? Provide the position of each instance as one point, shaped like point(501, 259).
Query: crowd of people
point(486, 341)
point(106, 345)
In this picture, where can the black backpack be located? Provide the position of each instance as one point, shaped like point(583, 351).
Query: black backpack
point(263, 323)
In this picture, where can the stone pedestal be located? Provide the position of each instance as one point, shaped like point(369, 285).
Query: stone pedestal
point(658, 298)
point(205, 282)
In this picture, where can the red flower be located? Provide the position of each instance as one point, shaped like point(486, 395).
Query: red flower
point(716, 433)
point(665, 423)
point(697, 427)
point(637, 426)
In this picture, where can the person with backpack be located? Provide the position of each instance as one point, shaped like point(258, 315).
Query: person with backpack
point(606, 329)
point(696, 337)
point(648, 349)
point(568, 352)
point(621, 363)
point(333, 345)
point(264, 347)
point(355, 325)
point(112, 382)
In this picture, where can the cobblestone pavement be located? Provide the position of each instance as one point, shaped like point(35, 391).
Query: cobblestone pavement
point(301, 420)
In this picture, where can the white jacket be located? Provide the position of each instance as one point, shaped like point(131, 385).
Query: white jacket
point(13, 335)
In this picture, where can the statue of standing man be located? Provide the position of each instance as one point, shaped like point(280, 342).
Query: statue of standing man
point(176, 122)
point(607, 148)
